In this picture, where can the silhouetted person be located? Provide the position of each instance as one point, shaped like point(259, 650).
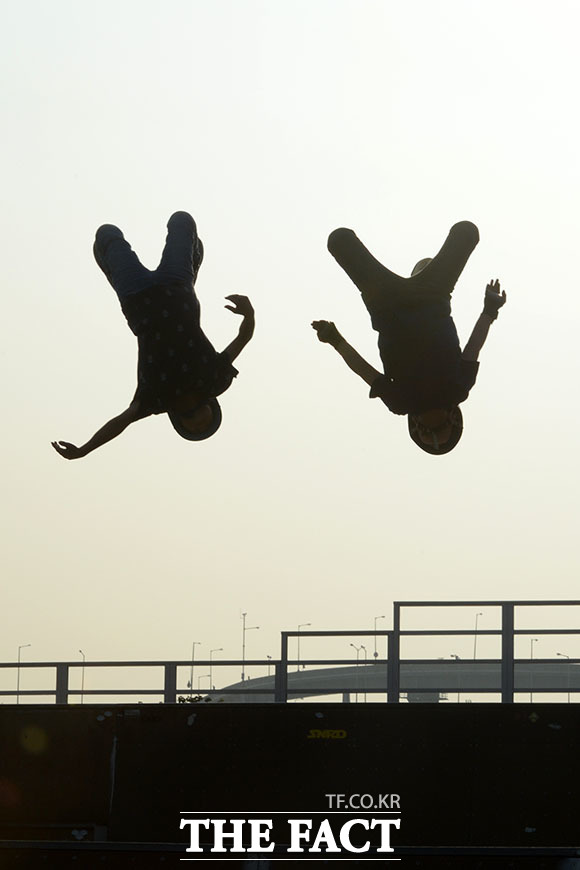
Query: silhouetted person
point(426, 375)
point(179, 371)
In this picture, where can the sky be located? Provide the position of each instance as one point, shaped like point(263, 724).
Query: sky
point(273, 124)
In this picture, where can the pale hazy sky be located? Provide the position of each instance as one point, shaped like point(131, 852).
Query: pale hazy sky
point(273, 123)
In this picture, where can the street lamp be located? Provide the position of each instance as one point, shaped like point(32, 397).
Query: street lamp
point(302, 625)
point(453, 656)
point(533, 640)
point(200, 678)
point(375, 654)
point(193, 646)
point(22, 646)
point(564, 656)
point(477, 615)
point(269, 665)
point(82, 675)
point(217, 649)
point(244, 630)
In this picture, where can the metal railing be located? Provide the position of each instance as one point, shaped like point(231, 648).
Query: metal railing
point(279, 688)
point(507, 632)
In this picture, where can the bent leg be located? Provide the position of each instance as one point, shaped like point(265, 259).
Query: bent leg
point(443, 271)
point(373, 279)
point(118, 261)
point(183, 251)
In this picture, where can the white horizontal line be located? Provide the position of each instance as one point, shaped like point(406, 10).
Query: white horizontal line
point(288, 812)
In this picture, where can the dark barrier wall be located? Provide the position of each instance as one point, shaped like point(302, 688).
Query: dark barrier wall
point(466, 774)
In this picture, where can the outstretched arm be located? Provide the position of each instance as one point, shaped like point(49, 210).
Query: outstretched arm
point(493, 302)
point(106, 433)
point(243, 306)
point(329, 334)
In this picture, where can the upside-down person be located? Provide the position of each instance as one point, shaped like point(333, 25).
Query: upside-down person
point(426, 374)
point(179, 372)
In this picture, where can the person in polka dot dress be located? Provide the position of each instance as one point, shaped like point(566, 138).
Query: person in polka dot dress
point(179, 371)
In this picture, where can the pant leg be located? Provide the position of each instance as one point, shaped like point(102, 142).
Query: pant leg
point(183, 251)
point(441, 274)
point(119, 262)
point(377, 284)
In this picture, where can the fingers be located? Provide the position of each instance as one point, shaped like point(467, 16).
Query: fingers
point(65, 448)
point(326, 331)
point(493, 288)
point(241, 304)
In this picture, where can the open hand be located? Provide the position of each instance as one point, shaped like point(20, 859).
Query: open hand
point(242, 305)
point(69, 451)
point(494, 299)
point(326, 331)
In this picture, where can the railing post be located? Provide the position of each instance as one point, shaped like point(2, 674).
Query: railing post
point(281, 676)
point(170, 684)
point(62, 684)
point(278, 683)
point(507, 653)
point(394, 661)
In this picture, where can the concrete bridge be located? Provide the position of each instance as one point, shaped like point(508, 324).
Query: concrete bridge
point(420, 681)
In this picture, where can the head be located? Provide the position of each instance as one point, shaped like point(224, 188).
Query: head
point(199, 423)
point(422, 264)
point(436, 431)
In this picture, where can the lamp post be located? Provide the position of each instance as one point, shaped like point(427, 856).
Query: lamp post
point(82, 675)
point(301, 626)
point(533, 640)
point(477, 615)
point(244, 630)
point(200, 678)
point(375, 654)
point(193, 646)
point(453, 656)
point(564, 656)
point(22, 646)
point(269, 665)
point(217, 649)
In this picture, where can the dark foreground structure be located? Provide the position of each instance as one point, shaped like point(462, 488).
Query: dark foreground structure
point(474, 785)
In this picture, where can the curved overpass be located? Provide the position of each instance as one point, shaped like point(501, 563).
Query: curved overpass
point(421, 682)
